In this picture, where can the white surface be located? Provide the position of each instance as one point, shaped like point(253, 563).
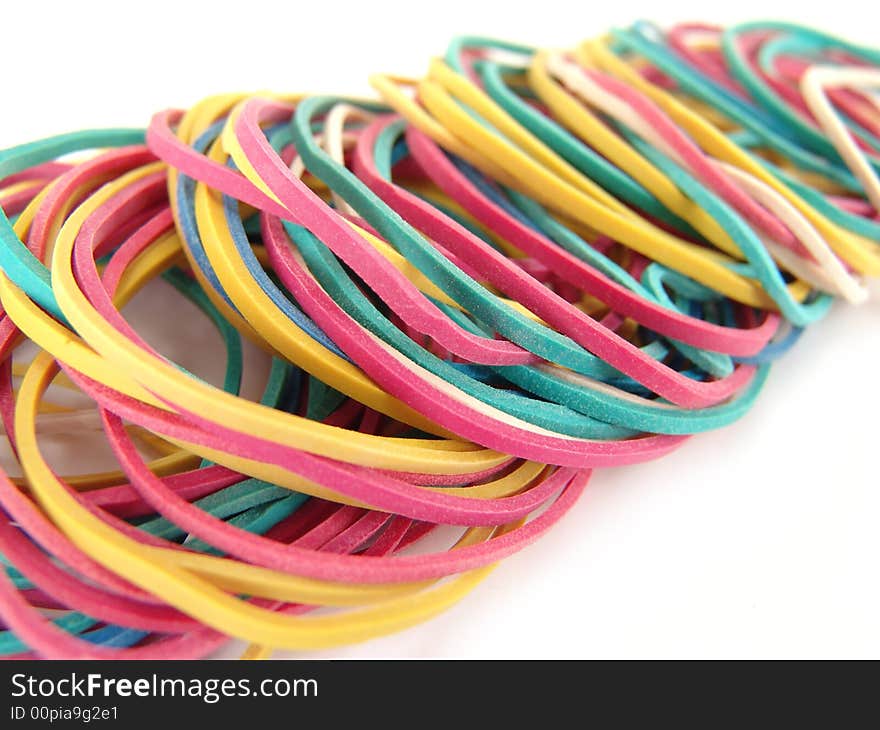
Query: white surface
point(756, 541)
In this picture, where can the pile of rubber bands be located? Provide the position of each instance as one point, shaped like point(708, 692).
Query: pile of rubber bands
point(473, 290)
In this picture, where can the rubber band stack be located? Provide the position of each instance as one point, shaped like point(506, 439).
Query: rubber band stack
point(473, 290)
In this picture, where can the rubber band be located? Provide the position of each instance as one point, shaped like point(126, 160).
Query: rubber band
point(523, 266)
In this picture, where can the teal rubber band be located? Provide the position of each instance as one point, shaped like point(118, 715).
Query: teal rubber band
point(761, 264)
point(714, 363)
point(486, 307)
point(333, 278)
point(856, 223)
point(708, 91)
point(598, 406)
point(625, 413)
point(655, 350)
point(808, 135)
point(579, 155)
point(17, 262)
point(789, 44)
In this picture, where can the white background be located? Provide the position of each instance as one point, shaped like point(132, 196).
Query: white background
point(756, 541)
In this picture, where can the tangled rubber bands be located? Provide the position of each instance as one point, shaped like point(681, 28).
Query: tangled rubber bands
point(473, 291)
